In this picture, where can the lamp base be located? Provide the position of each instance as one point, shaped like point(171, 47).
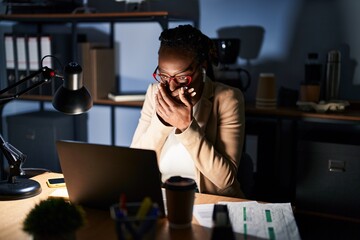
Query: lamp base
point(20, 189)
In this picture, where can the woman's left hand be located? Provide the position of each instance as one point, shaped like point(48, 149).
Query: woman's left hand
point(175, 112)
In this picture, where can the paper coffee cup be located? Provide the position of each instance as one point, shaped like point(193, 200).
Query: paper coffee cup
point(180, 194)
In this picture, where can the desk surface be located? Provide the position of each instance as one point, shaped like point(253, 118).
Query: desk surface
point(100, 225)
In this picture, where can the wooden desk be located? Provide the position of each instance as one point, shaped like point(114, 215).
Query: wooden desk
point(100, 225)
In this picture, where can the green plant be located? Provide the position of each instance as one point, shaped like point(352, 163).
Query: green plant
point(54, 216)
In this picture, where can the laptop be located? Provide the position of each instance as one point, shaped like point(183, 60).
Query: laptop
point(96, 175)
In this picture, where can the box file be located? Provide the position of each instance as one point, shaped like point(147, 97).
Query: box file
point(21, 60)
point(46, 49)
point(33, 58)
point(98, 65)
point(10, 60)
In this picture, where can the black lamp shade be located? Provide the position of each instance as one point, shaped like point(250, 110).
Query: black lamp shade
point(72, 97)
point(72, 102)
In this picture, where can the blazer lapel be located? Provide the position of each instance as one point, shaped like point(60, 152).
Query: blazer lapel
point(205, 105)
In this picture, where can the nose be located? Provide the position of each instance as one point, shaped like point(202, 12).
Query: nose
point(173, 84)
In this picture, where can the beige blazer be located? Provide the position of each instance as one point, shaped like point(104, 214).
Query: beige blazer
point(214, 139)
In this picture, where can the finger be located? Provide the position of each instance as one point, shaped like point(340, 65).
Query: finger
point(191, 92)
point(183, 98)
point(166, 98)
point(161, 97)
point(159, 109)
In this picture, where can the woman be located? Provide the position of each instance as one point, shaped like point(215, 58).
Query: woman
point(196, 126)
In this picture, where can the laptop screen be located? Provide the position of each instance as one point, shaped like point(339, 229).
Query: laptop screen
point(97, 175)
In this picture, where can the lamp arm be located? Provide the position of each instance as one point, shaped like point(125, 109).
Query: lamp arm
point(47, 74)
point(15, 159)
point(71, 98)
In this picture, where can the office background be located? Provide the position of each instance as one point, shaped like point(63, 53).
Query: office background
point(292, 29)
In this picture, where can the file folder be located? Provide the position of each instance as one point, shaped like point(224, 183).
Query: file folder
point(33, 61)
point(10, 60)
point(45, 49)
point(21, 60)
point(59, 47)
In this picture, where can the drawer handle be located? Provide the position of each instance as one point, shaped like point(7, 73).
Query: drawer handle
point(337, 166)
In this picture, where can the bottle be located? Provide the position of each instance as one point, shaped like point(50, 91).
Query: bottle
point(313, 69)
point(333, 68)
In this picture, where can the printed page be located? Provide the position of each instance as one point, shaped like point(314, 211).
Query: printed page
point(253, 220)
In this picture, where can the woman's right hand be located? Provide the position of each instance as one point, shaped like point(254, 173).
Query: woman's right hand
point(174, 111)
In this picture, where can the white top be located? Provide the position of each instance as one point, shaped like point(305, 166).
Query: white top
point(175, 159)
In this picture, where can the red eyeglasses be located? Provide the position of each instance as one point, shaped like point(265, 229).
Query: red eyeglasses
point(183, 80)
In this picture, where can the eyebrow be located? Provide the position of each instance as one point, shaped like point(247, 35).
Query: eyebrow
point(181, 71)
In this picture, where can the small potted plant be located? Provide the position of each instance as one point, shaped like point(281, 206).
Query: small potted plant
point(54, 218)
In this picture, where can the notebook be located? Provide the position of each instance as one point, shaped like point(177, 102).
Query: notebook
point(96, 175)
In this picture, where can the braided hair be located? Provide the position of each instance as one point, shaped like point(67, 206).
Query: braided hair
point(191, 40)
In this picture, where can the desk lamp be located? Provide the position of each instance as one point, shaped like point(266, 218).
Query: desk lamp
point(71, 98)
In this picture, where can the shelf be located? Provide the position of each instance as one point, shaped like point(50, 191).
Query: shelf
point(161, 17)
point(282, 112)
point(96, 102)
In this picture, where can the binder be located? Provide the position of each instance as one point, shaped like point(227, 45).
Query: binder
point(45, 49)
point(10, 60)
point(59, 47)
point(33, 61)
point(21, 60)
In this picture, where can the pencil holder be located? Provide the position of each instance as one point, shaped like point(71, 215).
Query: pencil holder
point(134, 223)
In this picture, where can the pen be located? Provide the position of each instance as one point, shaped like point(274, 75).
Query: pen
point(122, 219)
point(150, 220)
point(122, 203)
point(144, 208)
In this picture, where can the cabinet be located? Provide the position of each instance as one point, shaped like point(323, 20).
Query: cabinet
point(35, 133)
point(309, 159)
point(328, 168)
point(328, 178)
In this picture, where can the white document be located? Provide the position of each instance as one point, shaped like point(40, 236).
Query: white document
point(253, 220)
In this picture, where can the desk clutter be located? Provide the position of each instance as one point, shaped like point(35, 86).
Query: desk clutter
point(267, 219)
point(322, 106)
point(235, 220)
point(320, 92)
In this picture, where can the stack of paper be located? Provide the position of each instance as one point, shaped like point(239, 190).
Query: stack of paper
point(253, 220)
point(126, 97)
